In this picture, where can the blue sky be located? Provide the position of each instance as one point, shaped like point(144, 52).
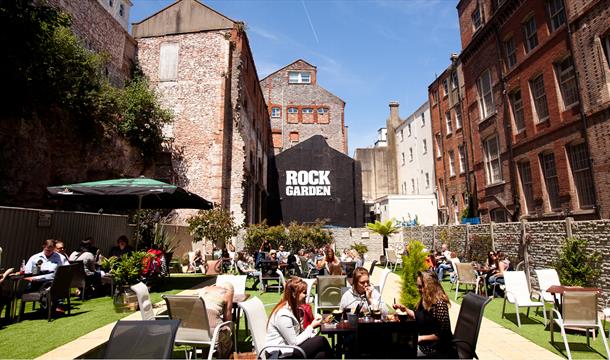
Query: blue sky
point(368, 52)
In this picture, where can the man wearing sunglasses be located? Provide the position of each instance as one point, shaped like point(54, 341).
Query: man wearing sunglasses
point(47, 260)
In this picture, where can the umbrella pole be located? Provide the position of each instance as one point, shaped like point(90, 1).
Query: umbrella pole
point(138, 221)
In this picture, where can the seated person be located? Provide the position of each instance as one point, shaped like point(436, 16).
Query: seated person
point(432, 319)
point(284, 326)
point(444, 263)
point(282, 254)
point(46, 260)
point(122, 248)
point(84, 254)
point(361, 293)
point(219, 305)
point(199, 262)
point(244, 268)
point(330, 264)
point(60, 249)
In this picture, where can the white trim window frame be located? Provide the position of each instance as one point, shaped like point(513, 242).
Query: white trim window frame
point(439, 152)
point(454, 80)
point(322, 111)
point(299, 77)
point(527, 185)
point(485, 91)
point(292, 110)
point(566, 77)
point(516, 104)
point(529, 34)
point(477, 19)
point(276, 112)
point(410, 154)
point(493, 163)
point(424, 146)
point(423, 119)
point(307, 110)
point(458, 118)
point(510, 51)
point(462, 158)
point(539, 98)
point(448, 125)
point(445, 88)
point(451, 163)
point(551, 179)
point(581, 174)
point(557, 14)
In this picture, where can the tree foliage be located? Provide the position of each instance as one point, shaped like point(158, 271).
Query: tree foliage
point(576, 265)
point(216, 225)
point(361, 248)
point(295, 236)
point(413, 262)
point(385, 229)
point(46, 66)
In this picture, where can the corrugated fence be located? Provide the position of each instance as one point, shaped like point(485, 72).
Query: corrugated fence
point(22, 231)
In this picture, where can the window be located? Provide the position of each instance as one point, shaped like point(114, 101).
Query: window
point(424, 146)
point(307, 111)
point(427, 180)
point(299, 77)
point(168, 62)
point(493, 165)
point(445, 88)
point(498, 215)
point(402, 135)
point(275, 112)
point(556, 14)
point(293, 110)
point(454, 80)
point(423, 119)
point(440, 191)
point(402, 156)
point(477, 21)
point(121, 10)
point(322, 111)
point(448, 122)
point(403, 187)
point(567, 82)
point(410, 154)
point(451, 163)
point(527, 186)
point(462, 159)
point(439, 153)
point(294, 136)
point(412, 186)
point(510, 52)
point(579, 162)
point(551, 179)
point(435, 97)
point(516, 103)
point(409, 129)
point(606, 45)
point(529, 32)
point(539, 97)
point(486, 99)
point(458, 119)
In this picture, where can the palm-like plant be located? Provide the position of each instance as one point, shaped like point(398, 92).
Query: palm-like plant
point(384, 229)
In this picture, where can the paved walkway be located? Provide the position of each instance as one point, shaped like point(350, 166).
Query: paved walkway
point(495, 341)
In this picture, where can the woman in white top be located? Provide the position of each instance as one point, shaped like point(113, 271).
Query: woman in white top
point(361, 293)
point(285, 326)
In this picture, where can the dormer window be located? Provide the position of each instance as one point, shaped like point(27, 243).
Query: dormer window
point(299, 77)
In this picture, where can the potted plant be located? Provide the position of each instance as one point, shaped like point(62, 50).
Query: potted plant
point(127, 271)
point(384, 229)
point(164, 242)
point(413, 262)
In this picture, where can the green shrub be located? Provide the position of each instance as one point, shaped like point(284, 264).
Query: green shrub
point(216, 225)
point(294, 237)
point(576, 265)
point(413, 262)
point(360, 248)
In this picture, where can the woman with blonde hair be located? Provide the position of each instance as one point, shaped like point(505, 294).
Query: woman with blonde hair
point(284, 326)
point(432, 318)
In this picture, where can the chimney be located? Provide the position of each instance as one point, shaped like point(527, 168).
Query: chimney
point(394, 118)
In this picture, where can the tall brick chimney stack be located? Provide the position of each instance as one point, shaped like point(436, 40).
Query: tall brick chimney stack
point(394, 116)
point(392, 124)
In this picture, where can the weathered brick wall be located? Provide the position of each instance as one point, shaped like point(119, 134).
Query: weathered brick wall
point(345, 237)
point(278, 93)
point(100, 32)
point(197, 100)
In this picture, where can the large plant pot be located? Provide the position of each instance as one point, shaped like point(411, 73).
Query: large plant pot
point(125, 300)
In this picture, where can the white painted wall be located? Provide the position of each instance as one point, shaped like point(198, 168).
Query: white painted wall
point(410, 137)
point(406, 207)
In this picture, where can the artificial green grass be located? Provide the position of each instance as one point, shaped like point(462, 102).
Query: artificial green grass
point(35, 336)
point(533, 329)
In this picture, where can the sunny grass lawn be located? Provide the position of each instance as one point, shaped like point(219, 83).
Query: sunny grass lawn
point(35, 336)
point(533, 329)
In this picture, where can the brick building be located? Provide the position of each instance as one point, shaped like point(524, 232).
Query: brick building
point(452, 148)
point(530, 155)
point(590, 38)
point(200, 63)
point(300, 108)
point(98, 27)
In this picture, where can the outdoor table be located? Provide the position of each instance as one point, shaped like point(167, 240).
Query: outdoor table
point(374, 338)
point(15, 279)
point(560, 290)
point(237, 298)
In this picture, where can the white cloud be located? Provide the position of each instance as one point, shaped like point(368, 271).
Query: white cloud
point(264, 33)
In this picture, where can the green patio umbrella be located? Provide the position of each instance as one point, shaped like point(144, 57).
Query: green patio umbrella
point(133, 193)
